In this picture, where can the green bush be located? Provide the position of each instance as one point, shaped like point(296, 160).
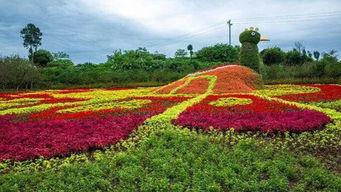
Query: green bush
point(42, 57)
point(333, 70)
point(60, 63)
point(219, 53)
point(16, 73)
point(273, 56)
point(294, 57)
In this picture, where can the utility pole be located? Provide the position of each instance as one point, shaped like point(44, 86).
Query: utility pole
point(230, 24)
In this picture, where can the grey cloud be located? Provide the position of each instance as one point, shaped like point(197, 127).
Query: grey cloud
point(89, 34)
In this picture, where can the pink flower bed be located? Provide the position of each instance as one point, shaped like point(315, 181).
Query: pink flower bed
point(29, 140)
point(295, 121)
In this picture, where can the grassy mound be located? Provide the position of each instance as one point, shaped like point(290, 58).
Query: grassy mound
point(230, 79)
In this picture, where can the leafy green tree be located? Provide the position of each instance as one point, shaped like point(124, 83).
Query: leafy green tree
point(294, 57)
point(42, 57)
point(272, 56)
point(60, 63)
point(219, 53)
point(60, 56)
point(181, 53)
point(316, 55)
point(135, 59)
point(16, 72)
point(299, 46)
point(190, 49)
point(32, 38)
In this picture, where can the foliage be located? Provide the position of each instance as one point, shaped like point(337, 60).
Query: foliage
point(60, 64)
point(135, 59)
point(316, 55)
point(193, 163)
point(249, 36)
point(249, 56)
point(60, 56)
point(16, 73)
point(180, 53)
point(272, 56)
point(295, 57)
point(42, 57)
point(190, 49)
point(249, 51)
point(219, 53)
point(32, 37)
point(230, 101)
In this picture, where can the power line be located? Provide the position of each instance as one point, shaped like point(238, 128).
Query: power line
point(262, 19)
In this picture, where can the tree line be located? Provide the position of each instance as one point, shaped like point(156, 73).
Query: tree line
point(43, 69)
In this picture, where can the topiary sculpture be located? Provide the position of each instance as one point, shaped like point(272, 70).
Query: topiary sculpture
point(249, 52)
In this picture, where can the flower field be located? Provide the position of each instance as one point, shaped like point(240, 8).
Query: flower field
point(53, 129)
point(55, 123)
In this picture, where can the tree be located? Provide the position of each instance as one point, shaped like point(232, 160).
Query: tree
point(181, 53)
point(294, 57)
point(316, 55)
point(42, 57)
point(32, 38)
point(219, 53)
point(60, 56)
point(299, 47)
point(16, 72)
point(134, 60)
point(190, 49)
point(272, 56)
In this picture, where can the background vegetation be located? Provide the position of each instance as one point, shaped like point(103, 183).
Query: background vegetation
point(141, 68)
point(131, 68)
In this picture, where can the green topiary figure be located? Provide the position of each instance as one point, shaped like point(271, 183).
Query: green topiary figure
point(249, 52)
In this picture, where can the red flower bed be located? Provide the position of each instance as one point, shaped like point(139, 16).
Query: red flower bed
point(235, 79)
point(258, 105)
point(230, 79)
point(8, 96)
point(170, 87)
point(196, 86)
point(327, 93)
point(48, 133)
point(61, 100)
point(261, 115)
point(295, 121)
point(29, 140)
point(73, 91)
point(158, 105)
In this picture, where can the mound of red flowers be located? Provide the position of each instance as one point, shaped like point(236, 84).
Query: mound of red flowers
point(261, 115)
point(230, 79)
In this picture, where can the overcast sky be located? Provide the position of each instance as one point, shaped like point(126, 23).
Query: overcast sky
point(89, 30)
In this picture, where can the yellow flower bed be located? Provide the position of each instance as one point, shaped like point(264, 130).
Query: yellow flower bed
point(230, 101)
point(131, 104)
point(280, 90)
point(17, 102)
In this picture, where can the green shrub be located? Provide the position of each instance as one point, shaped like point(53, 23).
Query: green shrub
point(333, 70)
point(272, 56)
point(219, 53)
point(42, 57)
point(16, 73)
point(294, 57)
